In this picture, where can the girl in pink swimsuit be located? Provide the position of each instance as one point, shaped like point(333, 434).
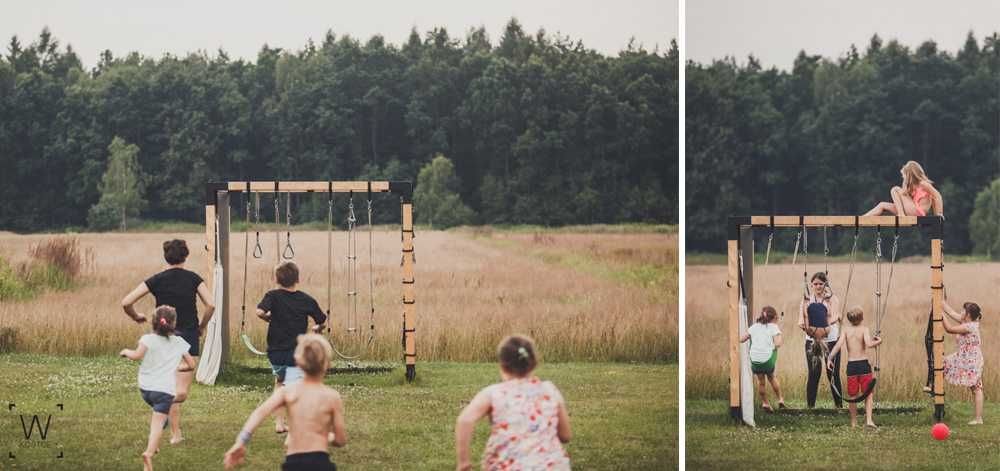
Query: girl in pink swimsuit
point(917, 196)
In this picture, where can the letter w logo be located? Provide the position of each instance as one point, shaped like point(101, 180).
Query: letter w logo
point(35, 423)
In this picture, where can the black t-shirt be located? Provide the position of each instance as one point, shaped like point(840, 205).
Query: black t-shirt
point(177, 287)
point(290, 312)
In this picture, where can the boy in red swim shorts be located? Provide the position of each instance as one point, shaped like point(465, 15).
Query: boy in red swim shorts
point(857, 339)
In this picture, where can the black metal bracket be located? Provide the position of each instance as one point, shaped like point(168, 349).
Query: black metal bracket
point(735, 222)
point(212, 190)
point(403, 188)
point(933, 224)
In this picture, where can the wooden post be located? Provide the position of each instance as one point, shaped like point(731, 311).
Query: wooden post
point(734, 328)
point(937, 297)
point(409, 303)
point(222, 210)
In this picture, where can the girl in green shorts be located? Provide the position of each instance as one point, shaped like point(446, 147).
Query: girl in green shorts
point(765, 338)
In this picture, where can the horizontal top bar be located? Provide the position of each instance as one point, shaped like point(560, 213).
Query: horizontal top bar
point(304, 187)
point(846, 221)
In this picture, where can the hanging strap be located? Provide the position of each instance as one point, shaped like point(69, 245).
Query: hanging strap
point(329, 255)
point(770, 240)
point(258, 251)
point(277, 223)
point(289, 252)
point(371, 269)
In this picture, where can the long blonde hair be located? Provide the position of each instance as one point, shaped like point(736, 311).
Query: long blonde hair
point(913, 175)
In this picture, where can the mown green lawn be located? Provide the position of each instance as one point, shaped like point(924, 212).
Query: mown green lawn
point(624, 416)
point(825, 441)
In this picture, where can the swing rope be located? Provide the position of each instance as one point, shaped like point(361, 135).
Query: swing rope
point(246, 250)
point(289, 252)
point(351, 317)
point(371, 270)
point(881, 307)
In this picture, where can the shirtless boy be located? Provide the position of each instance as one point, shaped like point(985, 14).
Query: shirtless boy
point(857, 339)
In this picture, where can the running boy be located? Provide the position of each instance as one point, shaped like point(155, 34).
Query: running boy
point(857, 339)
point(287, 310)
point(314, 410)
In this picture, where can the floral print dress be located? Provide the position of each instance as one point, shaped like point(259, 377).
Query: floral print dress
point(965, 367)
point(524, 427)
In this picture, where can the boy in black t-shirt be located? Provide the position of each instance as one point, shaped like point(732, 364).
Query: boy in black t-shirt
point(287, 311)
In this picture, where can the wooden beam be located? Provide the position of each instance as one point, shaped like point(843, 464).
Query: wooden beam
point(734, 330)
point(304, 187)
point(828, 221)
point(409, 301)
point(937, 311)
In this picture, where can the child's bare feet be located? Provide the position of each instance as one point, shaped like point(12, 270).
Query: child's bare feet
point(978, 421)
point(175, 439)
point(767, 407)
point(871, 425)
point(147, 462)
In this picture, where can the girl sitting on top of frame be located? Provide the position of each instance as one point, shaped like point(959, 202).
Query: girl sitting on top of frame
point(765, 339)
point(917, 196)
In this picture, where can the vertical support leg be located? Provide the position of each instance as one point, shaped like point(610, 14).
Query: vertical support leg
point(222, 210)
point(937, 296)
point(734, 329)
point(409, 302)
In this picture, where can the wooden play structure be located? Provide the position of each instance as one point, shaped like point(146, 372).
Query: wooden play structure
point(217, 232)
point(740, 289)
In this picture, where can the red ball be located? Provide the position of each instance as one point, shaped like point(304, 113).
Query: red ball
point(940, 432)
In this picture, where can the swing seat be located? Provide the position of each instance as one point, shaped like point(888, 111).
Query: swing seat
point(246, 341)
point(856, 399)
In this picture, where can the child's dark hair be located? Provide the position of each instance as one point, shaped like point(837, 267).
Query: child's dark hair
point(175, 251)
point(164, 320)
point(972, 309)
point(767, 315)
point(517, 355)
point(287, 274)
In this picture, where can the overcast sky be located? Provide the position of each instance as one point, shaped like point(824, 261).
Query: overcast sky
point(242, 27)
point(776, 30)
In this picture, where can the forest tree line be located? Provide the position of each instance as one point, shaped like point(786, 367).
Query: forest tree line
point(539, 128)
point(830, 136)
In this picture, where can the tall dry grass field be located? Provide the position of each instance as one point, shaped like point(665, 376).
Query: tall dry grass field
point(903, 356)
point(583, 297)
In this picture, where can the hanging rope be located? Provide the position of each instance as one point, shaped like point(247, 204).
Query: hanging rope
point(371, 270)
point(289, 252)
point(277, 224)
point(351, 315)
point(258, 251)
point(243, 306)
point(881, 307)
point(329, 256)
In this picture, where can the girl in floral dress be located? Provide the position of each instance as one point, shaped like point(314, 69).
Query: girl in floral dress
point(528, 417)
point(965, 367)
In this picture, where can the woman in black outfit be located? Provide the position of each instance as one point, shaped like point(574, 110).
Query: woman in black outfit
point(177, 287)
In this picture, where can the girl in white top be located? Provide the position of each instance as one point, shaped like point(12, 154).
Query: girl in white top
point(161, 352)
point(765, 339)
